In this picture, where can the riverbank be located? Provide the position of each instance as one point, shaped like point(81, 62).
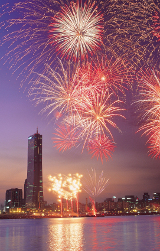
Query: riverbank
point(32, 216)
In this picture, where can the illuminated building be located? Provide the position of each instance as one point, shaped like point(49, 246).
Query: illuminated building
point(13, 198)
point(156, 197)
point(34, 184)
point(146, 197)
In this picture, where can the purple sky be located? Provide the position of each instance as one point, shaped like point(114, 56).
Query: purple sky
point(130, 171)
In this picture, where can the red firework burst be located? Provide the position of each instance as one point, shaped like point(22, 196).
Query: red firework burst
point(65, 138)
point(154, 145)
point(101, 147)
point(149, 107)
point(112, 74)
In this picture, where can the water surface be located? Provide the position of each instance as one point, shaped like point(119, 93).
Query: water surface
point(137, 233)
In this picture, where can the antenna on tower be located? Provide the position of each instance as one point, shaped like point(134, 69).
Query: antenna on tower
point(37, 129)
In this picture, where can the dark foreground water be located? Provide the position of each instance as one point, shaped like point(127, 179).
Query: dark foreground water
point(137, 233)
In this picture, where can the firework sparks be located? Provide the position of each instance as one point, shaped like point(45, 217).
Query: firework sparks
point(30, 36)
point(76, 30)
point(66, 187)
point(44, 28)
point(149, 103)
point(95, 186)
point(156, 26)
point(84, 107)
point(101, 147)
point(29, 42)
point(65, 138)
point(98, 113)
point(57, 89)
point(154, 144)
point(115, 74)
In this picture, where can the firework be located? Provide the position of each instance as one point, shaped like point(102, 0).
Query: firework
point(95, 186)
point(38, 30)
point(149, 103)
point(82, 102)
point(101, 147)
point(57, 89)
point(156, 26)
point(66, 187)
point(154, 144)
point(30, 36)
point(27, 35)
point(77, 30)
point(115, 74)
point(139, 32)
point(98, 114)
point(65, 138)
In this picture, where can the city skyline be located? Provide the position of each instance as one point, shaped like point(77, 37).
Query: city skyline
point(130, 170)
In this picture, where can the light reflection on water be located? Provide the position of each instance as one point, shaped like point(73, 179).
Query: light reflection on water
point(118, 233)
point(66, 234)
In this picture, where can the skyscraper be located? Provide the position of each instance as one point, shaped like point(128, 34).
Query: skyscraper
point(34, 184)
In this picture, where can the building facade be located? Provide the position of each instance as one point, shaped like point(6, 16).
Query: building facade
point(34, 183)
point(13, 198)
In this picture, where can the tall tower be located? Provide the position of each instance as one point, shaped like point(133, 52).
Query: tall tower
point(34, 186)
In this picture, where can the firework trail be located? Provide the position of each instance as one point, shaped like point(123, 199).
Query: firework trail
point(115, 74)
point(149, 103)
point(94, 186)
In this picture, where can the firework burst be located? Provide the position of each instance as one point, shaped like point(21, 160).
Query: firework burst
point(57, 89)
point(77, 30)
point(85, 105)
point(114, 74)
point(149, 103)
point(101, 147)
point(38, 30)
point(96, 118)
point(65, 138)
point(154, 144)
point(66, 187)
point(32, 29)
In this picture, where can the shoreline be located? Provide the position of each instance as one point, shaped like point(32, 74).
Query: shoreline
point(24, 216)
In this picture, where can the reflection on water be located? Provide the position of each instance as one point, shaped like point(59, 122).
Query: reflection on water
point(66, 234)
point(129, 233)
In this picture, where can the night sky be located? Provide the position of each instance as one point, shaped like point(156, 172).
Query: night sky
point(130, 171)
